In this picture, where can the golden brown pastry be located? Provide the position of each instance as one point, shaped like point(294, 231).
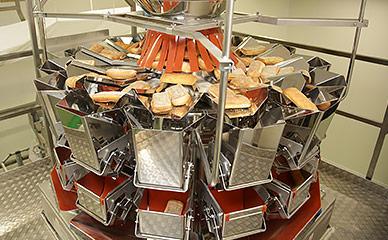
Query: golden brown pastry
point(71, 82)
point(97, 48)
point(271, 60)
point(299, 99)
point(253, 51)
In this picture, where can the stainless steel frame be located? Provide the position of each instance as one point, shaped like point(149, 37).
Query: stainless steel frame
point(191, 31)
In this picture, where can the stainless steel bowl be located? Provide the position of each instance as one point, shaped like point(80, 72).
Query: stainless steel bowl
point(186, 8)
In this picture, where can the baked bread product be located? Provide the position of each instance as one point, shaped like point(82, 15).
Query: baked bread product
point(138, 85)
point(243, 83)
point(269, 71)
point(179, 95)
point(217, 73)
point(121, 74)
point(107, 97)
point(71, 82)
point(161, 103)
point(233, 100)
point(112, 54)
point(286, 70)
point(324, 106)
point(236, 73)
point(186, 67)
point(174, 207)
point(255, 69)
point(97, 48)
point(299, 99)
point(253, 50)
point(271, 60)
point(246, 60)
point(179, 78)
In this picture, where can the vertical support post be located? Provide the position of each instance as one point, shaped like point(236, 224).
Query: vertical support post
point(379, 145)
point(132, 6)
point(225, 67)
point(41, 28)
point(356, 42)
point(34, 39)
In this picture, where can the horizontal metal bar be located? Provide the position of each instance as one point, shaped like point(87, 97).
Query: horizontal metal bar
point(16, 55)
point(92, 16)
point(327, 22)
point(10, 8)
point(18, 110)
point(369, 59)
point(360, 119)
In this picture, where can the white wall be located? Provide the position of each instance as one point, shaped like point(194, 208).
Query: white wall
point(349, 143)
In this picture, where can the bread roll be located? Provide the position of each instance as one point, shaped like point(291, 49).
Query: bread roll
point(271, 60)
point(324, 106)
point(174, 207)
point(161, 103)
point(269, 71)
point(71, 82)
point(299, 99)
point(253, 51)
point(107, 97)
point(179, 78)
point(121, 74)
point(236, 73)
point(243, 83)
point(138, 85)
point(97, 48)
point(233, 100)
point(255, 69)
point(179, 95)
point(247, 61)
point(286, 70)
point(186, 68)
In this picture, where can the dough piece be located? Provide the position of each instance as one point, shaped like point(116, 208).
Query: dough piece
point(286, 70)
point(161, 103)
point(179, 78)
point(253, 51)
point(121, 74)
point(179, 95)
point(174, 207)
point(299, 99)
point(107, 97)
point(255, 69)
point(269, 71)
point(271, 60)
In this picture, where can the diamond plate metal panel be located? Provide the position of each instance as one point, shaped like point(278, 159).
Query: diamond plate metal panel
point(20, 202)
point(242, 225)
point(361, 208)
point(249, 168)
point(83, 150)
point(159, 157)
point(159, 224)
